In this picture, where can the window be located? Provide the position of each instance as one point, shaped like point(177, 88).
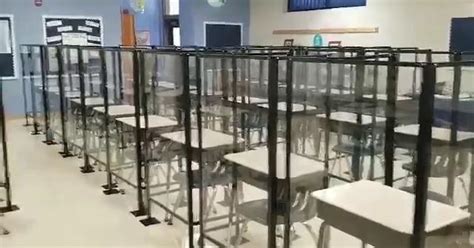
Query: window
point(303, 5)
point(7, 48)
point(172, 7)
point(176, 36)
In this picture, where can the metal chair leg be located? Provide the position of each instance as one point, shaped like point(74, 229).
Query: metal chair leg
point(168, 184)
point(464, 187)
point(323, 241)
point(311, 232)
point(179, 200)
point(243, 229)
point(3, 230)
point(210, 204)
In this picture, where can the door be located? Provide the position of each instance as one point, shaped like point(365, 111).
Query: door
point(128, 29)
point(462, 37)
point(223, 34)
point(172, 31)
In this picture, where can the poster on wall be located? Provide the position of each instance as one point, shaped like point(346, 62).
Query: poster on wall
point(7, 48)
point(73, 30)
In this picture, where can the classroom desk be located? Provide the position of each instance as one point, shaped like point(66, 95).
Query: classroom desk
point(117, 111)
point(462, 97)
point(384, 97)
point(171, 85)
point(406, 136)
point(350, 119)
point(248, 100)
point(297, 107)
point(345, 123)
point(92, 101)
point(336, 92)
point(252, 166)
point(380, 215)
point(154, 122)
point(210, 139)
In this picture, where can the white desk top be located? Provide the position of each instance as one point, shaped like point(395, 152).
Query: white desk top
point(73, 94)
point(388, 206)
point(462, 96)
point(170, 85)
point(210, 139)
point(209, 92)
point(117, 110)
point(438, 133)
point(258, 160)
point(351, 118)
point(55, 89)
point(92, 101)
point(248, 100)
point(384, 97)
point(169, 93)
point(154, 121)
point(282, 107)
point(335, 91)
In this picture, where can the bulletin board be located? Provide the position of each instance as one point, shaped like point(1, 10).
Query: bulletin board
point(73, 30)
point(8, 69)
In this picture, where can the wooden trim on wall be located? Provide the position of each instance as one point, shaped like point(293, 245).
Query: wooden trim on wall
point(326, 31)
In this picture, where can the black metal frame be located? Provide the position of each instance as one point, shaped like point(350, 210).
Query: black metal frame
point(9, 207)
point(359, 57)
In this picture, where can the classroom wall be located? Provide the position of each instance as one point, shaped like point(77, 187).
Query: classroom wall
point(29, 30)
point(401, 23)
point(193, 14)
point(421, 23)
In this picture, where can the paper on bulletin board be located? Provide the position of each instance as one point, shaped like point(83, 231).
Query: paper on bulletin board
point(5, 38)
point(76, 39)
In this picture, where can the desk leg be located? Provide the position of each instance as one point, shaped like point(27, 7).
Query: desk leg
point(356, 157)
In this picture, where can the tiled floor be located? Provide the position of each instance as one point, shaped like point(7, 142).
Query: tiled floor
point(60, 207)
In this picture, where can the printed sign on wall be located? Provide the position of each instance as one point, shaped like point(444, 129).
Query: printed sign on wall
point(73, 30)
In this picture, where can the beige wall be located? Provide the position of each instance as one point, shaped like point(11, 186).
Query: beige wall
point(420, 23)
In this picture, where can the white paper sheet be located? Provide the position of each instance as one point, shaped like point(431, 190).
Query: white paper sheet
point(53, 23)
point(53, 39)
point(85, 29)
point(92, 24)
point(93, 38)
point(64, 29)
point(77, 39)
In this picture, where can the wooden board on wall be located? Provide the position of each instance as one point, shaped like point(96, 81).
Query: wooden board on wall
point(326, 31)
